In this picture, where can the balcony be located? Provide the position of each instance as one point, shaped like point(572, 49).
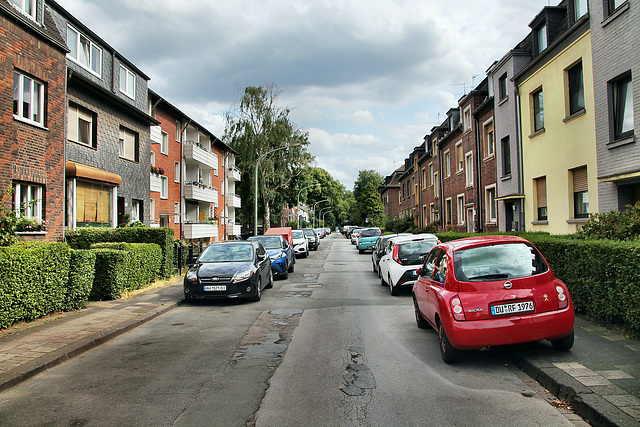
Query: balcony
point(233, 174)
point(195, 153)
point(234, 230)
point(199, 192)
point(200, 230)
point(233, 201)
point(155, 183)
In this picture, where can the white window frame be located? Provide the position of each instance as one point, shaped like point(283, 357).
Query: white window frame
point(135, 210)
point(153, 158)
point(164, 145)
point(22, 5)
point(164, 187)
point(448, 211)
point(176, 211)
point(31, 196)
point(125, 136)
point(468, 160)
point(34, 116)
point(467, 118)
point(489, 143)
point(94, 64)
point(178, 130)
point(490, 204)
point(431, 181)
point(76, 114)
point(447, 163)
point(125, 84)
point(176, 172)
point(459, 162)
point(152, 209)
point(462, 212)
point(436, 185)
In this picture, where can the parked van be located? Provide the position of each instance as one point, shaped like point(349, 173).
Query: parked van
point(282, 231)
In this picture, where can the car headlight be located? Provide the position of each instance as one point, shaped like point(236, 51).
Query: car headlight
point(192, 275)
point(242, 275)
point(277, 256)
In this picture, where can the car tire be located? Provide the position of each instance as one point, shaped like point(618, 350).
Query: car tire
point(270, 284)
point(292, 267)
point(382, 282)
point(360, 251)
point(564, 344)
point(420, 320)
point(447, 351)
point(285, 274)
point(258, 294)
point(306, 255)
point(373, 265)
point(393, 288)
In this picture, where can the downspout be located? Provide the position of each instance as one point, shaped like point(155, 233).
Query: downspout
point(443, 214)
point(519, 158)
point(182, 217)
point(479, 155)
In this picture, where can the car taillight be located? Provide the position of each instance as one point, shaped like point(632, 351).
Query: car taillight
point(456, 308)
point(563, 301)
point(396, 255)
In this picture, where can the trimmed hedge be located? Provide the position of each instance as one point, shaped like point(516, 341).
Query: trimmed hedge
point(33, 281)
point(83, 238)
point(81, 275)
point(603, 276)
point(123, 267)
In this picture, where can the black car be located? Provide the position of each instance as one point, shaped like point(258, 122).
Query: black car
point(234, 269)
point(312, 238)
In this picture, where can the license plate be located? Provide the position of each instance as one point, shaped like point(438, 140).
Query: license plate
point(512, 308)
point(215, 288)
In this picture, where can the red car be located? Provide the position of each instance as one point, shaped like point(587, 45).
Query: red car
point(489, 291)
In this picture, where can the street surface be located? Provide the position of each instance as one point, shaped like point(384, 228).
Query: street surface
point(329, 346)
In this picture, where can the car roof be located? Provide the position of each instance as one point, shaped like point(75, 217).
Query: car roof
point(414, 238)
point(470, 242)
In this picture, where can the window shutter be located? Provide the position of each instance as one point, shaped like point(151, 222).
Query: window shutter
point(541, 187)
point(580, 182)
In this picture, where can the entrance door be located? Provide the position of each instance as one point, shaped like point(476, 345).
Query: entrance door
point(121, 210)
point(508, 212)
point(470, 227)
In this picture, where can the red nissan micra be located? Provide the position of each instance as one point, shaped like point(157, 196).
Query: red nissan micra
point(491, 290)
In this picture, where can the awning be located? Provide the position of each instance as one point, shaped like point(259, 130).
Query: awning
point(629, 176)
point(78, 170)
point(510, 197)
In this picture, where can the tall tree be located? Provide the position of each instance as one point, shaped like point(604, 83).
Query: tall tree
point(365, 192)
point(260, 130)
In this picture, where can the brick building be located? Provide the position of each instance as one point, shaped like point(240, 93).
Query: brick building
point(390, 194)
point(32, 77)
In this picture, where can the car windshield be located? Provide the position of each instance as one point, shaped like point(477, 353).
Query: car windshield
point(371, 233)
point(309, 233)
point(227, 253)
point(498, 262)
point(272, 242)
point(297, 234)
point(421, 247)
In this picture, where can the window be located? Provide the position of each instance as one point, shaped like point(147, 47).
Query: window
point(176, 172)
point(152, 209)
point(128, 148)
point(502, 87)
point(612, 5)
point(424, 178)
point(541, 197)
point(622, 90)
point(28, 200)
point(137, 207)
point(576, 89)
point(176, 211)
point(127, 82)
point(93, 205)
point(448, 211)
point(490, 202)
point(447, 164)
point(489, 143)
point(459, 158)
point(506, 156)
point(468, 159)
point(541, 38)
point(579, 9)
point(432, 213)
point(84, 51)
point(28, 7)
point(460, 209)
point(580, 193)
point(153, 158)
point(436, 185)
point(538, 111)
point(178, 131)
point(164, 146)
point(28, 99)
point(164, 189)
point(431, 180)
point(467, 119)
point(82, 125)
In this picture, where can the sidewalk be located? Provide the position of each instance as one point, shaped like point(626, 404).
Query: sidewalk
point(599, 377)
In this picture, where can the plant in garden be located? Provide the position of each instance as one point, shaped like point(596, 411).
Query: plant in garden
point(24, 224)
point(623, 225)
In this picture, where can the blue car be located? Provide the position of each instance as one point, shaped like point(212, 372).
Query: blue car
point(281, 254)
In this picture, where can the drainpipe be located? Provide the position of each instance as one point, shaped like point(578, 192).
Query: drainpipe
point(479, 155)
point(521, 217)
point(182, 166)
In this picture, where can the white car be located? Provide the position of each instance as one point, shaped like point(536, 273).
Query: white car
point(401, 258)
point(300, 243)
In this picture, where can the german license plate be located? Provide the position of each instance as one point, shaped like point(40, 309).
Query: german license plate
point(215, 288)
point(512, 308)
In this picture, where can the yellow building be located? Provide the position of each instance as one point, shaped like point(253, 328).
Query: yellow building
point(558, 129)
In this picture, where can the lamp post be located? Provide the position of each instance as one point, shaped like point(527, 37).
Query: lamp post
point(298, 205)
point(323, 212)
point(255, 205)
point(314, 211)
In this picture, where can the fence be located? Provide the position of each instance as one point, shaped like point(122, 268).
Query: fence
point(185, 255)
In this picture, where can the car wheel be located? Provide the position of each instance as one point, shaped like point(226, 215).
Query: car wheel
point(393, 288)
point(292, 267)
point(420, 321)
point(360, 251)
point(448, 353)
point(258, 294)
point(382, 282)
point(270, 284)
point(373, 265)
point(564, 344)
point(306, 255)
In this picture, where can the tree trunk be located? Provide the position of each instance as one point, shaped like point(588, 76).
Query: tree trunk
point(267, 217)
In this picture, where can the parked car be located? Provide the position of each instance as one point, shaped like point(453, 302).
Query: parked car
point(300, 243)
point(312, 238)
point(367, 239)
point(320, 232)
point(402, 256)
point(282, 231)
point(281, 253)
point(378, 250)
point(354, 234)
point(489, 291)
point(233, 269)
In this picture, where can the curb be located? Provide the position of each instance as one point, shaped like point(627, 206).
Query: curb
point(596, 410)
point(74, 349)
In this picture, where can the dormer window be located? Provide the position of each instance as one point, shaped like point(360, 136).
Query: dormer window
point(27, 7)
point(83, 51)
point(541, 38)
point(579, 9)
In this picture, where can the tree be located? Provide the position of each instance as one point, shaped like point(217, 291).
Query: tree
point(368, 204)
point(258, 129)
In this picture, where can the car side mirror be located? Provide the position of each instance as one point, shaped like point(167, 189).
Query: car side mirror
point(419, 271)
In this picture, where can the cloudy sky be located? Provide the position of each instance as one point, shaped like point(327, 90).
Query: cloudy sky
point(366, 78)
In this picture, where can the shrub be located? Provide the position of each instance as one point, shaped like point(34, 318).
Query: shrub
point(623, 225)
point(81, 276)
point(33, 280)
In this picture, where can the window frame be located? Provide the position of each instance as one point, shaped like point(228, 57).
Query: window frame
point(447, 163)
point(164, 144)
point(22, 8)
point(491, 204)
point(467, 119)
point(176, 172)
point(488, 129)
point(74, 113)
point(462, 212)
point(575, 95)
point(506, 155)
point(164, 187)
point(611, 8)
point(503, 87)
point(459, 161)
point(468, 160)
point(34, 204)
point(93, 48)
point(127, 90)
point(542, 38)
point(576, 10)
point(618, 131)
point(122, 144)
point(19, 102)
point(537, 104)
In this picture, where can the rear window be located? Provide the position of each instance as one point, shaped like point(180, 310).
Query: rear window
point(371, 233)
point(270, 242)
point(421, 247)
point(309, 233)
point(297, 234)
point(498, 262)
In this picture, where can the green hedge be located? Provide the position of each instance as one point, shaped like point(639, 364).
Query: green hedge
point(603, 276)
point(33, 281)
point(124, 267)
point(81, 275)
point(83, 238)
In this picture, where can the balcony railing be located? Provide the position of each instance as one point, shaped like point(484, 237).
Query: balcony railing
point(155, 183)
point(200, 192)
point(233, 201)
point(198, 230)
point(234, 230)
point(195, 152)
point(234, 174)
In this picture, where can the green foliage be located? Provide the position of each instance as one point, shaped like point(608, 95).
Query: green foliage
point(623, 225)
point(81, 276)
point(367, 198)
point(7, 220)
point(124, 267)
point(33, 281)
point(83, 238)
point(399, 225)
point(24, 224)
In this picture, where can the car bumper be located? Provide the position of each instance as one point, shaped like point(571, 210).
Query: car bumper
point(300, 249)
point(279, 267)
point(476, 334)
point(244, 289)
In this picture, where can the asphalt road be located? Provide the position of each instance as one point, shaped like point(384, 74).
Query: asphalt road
point(329, 346)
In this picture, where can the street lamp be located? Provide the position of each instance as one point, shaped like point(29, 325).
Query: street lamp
point(298, 205)
point(255, 205)
point(323, 212)
point(314, 211)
